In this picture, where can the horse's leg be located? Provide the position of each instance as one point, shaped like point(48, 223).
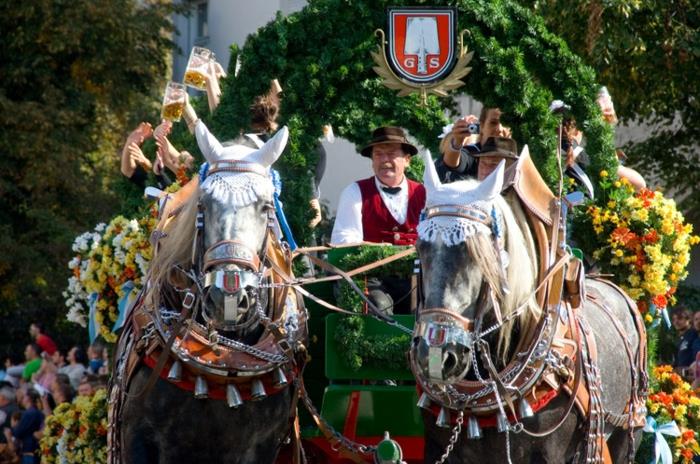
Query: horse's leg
point(619, 444)
point(137, 445)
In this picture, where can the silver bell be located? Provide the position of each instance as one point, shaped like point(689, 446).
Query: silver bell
point(201, 389)
point(525, 409)
point(473, 428)
point(424, 401)
point(233, 396)
point(502, 423)
point(278, 378)
point(257, 390)
point(443, 419)
point(175, 372)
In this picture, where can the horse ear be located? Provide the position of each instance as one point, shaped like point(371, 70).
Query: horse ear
point(430, 175)
point(492, 185)
point(272, 149)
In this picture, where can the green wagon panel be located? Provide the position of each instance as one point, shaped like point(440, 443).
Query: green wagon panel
point(337, 368)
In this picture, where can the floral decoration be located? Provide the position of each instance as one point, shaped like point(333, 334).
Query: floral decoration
point(77, 432)
point(106, 260)
point(642, 239)
point(672, 399)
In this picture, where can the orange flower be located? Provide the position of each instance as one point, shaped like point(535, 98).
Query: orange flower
point(652, 236)
point(688, 435)
point(642, 306)
point(660, 301)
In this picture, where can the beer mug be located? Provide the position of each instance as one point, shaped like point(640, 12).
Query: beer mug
point(173, 101)
point(196, 71)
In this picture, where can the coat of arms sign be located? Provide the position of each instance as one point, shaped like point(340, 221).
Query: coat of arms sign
point(419, 55)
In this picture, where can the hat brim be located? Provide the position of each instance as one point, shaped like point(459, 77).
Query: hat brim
point(407, 147)
point(502, 154)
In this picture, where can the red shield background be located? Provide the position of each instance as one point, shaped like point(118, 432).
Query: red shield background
point(405, 59)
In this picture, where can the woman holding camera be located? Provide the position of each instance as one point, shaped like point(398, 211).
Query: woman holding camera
point(463, 139)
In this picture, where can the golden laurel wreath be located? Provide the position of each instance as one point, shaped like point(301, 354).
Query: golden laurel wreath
point(440, 88)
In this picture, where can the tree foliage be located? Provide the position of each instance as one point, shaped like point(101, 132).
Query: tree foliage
point(648, 54)
point(72, 74)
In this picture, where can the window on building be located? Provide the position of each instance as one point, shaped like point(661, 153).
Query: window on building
point(202, 17)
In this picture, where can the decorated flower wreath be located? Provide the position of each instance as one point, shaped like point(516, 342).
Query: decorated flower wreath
point(640, 238)
point(673, 425)
point(108, 270)
point(77, 432)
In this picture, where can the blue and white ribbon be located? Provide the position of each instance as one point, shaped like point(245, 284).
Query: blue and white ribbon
point(93, 327)
point(284, 225)
point(661, 448)
point(124, 303)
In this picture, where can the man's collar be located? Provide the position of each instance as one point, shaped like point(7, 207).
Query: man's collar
point(390, 190)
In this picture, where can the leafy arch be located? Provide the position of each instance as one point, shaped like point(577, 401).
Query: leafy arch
point(321, 55)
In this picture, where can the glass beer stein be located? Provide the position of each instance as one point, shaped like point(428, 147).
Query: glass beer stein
point(173, 101)
point(195, 73)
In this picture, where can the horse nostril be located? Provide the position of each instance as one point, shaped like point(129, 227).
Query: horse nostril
point(449, 361)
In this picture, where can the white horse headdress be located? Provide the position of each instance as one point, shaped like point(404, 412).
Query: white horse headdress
point(476, 195)
point(240, 188)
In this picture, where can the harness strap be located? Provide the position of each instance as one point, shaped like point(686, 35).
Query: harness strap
point(338, 272)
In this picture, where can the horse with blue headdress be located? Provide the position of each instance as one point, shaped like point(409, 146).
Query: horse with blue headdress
point(207, 362)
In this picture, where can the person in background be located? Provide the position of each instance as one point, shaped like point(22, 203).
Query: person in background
point(46, 343)
point(459, 144)
point(689, 341)
point(30, 422)
point(76, 367)
point(33, 361)
point(8, 406)
point(86, 386)
point(95, 357)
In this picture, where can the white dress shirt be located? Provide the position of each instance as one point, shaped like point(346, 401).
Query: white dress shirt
point(348, 219)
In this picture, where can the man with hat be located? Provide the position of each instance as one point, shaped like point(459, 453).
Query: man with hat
point(384, 208)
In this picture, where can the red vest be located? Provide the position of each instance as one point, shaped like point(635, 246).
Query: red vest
point(378, 225)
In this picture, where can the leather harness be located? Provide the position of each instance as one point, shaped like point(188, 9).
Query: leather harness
point(149, 340)
point(562, 348)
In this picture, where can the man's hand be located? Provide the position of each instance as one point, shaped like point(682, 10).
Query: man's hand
point(460, 129)
point(142, 132)
point(137, 156)
point(163, 129)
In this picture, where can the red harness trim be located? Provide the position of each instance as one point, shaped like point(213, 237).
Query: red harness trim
point(216, 391)
point(490, 421)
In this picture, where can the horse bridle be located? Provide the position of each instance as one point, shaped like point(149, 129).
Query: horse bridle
point(250, 262)
point(440, 326)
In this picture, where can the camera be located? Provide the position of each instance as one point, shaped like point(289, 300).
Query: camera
point(473, 128)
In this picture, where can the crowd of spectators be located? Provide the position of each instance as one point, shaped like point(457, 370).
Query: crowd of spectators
point(31, 390)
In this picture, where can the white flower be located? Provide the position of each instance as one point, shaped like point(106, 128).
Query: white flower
point(446, 131)
point(74, 263)
point(100, 227)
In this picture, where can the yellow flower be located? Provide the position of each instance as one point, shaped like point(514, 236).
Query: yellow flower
point(603, 173)
point(649, 319)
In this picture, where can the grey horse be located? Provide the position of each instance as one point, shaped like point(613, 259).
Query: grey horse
point(458, 256)
point(159, 422)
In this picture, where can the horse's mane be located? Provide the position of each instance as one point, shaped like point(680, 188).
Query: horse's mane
point(521, 272)
point(174, 249)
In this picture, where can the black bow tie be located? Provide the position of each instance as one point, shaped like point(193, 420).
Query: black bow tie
point(391, 190)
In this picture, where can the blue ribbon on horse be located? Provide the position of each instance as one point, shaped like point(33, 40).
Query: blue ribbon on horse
point(203, 170)
point(661, 448)
point(124, 303)
point(664, 314)
point(93, 329)
point(277, 182)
